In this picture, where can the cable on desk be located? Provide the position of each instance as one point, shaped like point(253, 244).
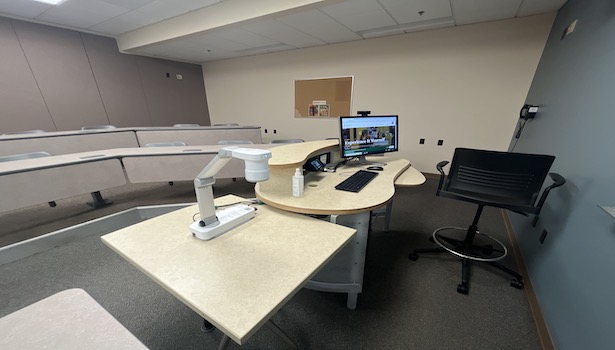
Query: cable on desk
point(249, 202)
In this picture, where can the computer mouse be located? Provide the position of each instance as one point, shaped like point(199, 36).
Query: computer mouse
point(377, 168)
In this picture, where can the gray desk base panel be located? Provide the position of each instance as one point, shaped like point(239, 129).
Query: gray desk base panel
point(344, 273)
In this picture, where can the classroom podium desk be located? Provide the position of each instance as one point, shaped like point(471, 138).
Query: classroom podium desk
point(344, 274)
point(236, 281)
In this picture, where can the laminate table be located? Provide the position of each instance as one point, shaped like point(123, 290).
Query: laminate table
point(236, 281)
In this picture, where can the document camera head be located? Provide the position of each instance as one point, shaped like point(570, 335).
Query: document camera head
point(257, 167)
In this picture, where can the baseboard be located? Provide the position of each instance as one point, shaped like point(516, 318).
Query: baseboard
point(543, 331)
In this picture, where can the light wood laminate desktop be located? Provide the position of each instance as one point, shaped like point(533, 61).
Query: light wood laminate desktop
point(239, 280)
point(345, 273)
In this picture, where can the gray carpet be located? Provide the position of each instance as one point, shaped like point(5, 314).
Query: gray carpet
point(404, 304)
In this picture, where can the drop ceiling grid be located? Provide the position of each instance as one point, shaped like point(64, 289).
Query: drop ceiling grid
point(467, 12)
point(360, 15)
point(317, 24)
point(282, 33)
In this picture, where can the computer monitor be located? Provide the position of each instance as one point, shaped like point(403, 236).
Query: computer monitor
point(366, 135)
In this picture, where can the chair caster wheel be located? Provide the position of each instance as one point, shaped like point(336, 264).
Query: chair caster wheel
point(461, 289)
point(517, 284)
point(413, 257)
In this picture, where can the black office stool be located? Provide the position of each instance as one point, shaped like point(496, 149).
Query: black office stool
point(488, 178)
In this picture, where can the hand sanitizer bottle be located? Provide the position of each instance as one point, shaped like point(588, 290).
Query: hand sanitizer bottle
point(298, 183)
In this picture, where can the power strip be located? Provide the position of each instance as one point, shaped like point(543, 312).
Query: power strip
point(228, 219)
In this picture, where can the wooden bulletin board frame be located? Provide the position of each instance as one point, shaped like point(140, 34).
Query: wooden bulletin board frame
point(329, 97)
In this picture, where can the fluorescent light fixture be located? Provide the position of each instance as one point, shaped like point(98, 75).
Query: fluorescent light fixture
point(408, 27)
point(51, 2)
point(265, 49)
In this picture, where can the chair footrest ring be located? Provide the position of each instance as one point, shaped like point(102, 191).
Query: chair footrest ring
point(483, 248)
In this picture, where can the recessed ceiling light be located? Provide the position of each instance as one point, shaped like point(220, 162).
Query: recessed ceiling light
point(51, 2)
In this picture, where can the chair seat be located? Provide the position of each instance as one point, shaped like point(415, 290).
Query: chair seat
point(514, 204)
point(483, 248)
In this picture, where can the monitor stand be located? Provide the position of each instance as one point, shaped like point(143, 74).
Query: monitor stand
point(361, 161)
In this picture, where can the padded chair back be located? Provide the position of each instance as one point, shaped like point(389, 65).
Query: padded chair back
point(501, 179)
point(166, 144)
point(235, 142)
point(21, 156)
point(97, 127)
point(24, 132)
point(287, 141)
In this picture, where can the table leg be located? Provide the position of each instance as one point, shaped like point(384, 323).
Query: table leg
point(351, 302)
point(98, 201)
point(207, 326)
point(224, 342)
point(281, 334)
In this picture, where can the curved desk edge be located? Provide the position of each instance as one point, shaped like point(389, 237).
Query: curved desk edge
point(320, 196)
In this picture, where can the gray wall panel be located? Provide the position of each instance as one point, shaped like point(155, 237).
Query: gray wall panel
point(119, 82)
point(572, 271)
point(58, 79)
point(59, 63)
point(171, 100)
point(22, 105)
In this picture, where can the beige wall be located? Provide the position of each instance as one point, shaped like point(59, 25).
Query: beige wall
point(464, 85)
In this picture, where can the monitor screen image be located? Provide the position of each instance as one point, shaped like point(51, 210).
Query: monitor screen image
point(365, 135)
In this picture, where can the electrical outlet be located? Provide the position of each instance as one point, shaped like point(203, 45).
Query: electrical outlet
point(265, 131)
point(440, 142)
point(421, 141)
point(275, 131)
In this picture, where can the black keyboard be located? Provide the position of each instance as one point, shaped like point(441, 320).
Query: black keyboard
point(356, 181)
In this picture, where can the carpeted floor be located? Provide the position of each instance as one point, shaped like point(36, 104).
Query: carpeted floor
point(404, 304)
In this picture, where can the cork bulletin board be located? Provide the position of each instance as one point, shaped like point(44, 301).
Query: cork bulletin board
point(323, 97)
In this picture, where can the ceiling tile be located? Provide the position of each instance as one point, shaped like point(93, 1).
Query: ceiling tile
point(124, 23)
point(466, 12)
point(193, 4)
point(162, 9)
point(320, 26)
point(281, 32)
point(26, 9)
point(82, 13)
point(404, 11)
point(130, 4)
point(359, 15)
